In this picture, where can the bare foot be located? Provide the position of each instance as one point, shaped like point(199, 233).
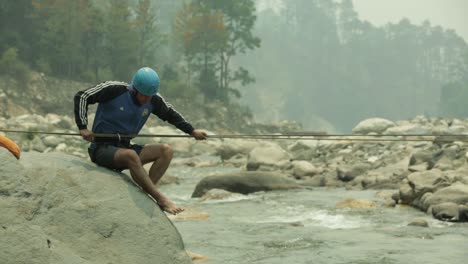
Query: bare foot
point(170, 207)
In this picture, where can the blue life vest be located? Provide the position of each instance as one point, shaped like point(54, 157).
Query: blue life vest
point(121, 115)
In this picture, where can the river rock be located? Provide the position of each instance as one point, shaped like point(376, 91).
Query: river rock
point(61, 122)
point(349, 173)
point(52, 141)
point(38, 145)
point(455, 193)
point(422, 157)
point(232, 147)
point(303, 169)
point(267, 158)
point(356, 204)
point(57, 208)
point(451, 212)
point(376, 125)
point(426, 181)
point(216, 194)
point(245, 183)
point(405, 129)
point(419, 222)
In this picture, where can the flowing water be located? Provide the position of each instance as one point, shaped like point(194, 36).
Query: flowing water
point(304, 226)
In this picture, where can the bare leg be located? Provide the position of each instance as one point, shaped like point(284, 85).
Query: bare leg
point(129, 159)
point(161, 156)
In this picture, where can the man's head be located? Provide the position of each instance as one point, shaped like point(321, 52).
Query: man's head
point(146, 84)
point(146, 81)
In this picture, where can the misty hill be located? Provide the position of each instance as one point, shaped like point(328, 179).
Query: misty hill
point(318, 58)
point(40, 94)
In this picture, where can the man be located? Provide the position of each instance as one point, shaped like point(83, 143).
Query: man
point(123, 110)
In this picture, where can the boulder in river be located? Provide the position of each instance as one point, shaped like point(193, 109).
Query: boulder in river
point(245, 183)
point(56, 208)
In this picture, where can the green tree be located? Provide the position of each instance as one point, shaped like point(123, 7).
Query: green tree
point(239, 19)
point(18, 28)
point(62, 34)
point(211, 33)
point(202, 35)
point(121, 40)
point(149, 36)
point(12, 66)
point(94, 44)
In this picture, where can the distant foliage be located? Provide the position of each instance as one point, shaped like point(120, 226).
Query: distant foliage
point(82, 40)
point(319, 58)
point(92, 41)
point(11, 65)
point(453, 100)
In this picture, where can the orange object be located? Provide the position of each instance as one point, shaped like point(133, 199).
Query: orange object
point(10, 145)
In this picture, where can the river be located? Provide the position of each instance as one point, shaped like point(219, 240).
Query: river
point(304, 226)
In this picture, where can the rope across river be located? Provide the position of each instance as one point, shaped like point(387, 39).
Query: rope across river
point(286, 136)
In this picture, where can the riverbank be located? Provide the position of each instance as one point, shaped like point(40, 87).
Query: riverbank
point(429, 175)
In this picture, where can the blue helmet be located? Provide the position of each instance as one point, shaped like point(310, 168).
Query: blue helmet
point(146, 81)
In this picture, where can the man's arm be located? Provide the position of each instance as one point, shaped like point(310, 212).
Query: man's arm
point(102, 92)
point(166, 112)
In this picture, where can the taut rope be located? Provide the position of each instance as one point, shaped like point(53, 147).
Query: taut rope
point(288, 136)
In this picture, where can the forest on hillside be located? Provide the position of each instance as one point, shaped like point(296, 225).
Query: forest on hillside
point(318, 57)
point(308, 60)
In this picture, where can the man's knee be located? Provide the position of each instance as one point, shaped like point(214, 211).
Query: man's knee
point(129, 156)
point(167, 151)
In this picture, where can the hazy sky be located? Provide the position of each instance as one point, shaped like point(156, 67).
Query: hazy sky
point(451, 14)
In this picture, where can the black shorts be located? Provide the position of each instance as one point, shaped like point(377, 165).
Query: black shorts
point(103, 154)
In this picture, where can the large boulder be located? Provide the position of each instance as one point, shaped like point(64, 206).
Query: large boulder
point(302, 168)
point(427, 181)
point(233, 147)
point(419, 183)
point(373, 125)
point(267, 158)
point(406, 129)
point(349, 173)
point(450, 212)
point(57, 208)
point(455, 193)
point(245, 183)
point(424, 156)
